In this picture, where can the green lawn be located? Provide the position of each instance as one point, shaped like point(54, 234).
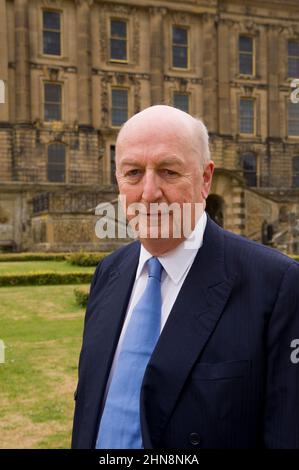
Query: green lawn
point(21, 267)
point(41, 327)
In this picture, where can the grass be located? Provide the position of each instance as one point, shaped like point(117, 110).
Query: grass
point(22, 267)
point(41, 327)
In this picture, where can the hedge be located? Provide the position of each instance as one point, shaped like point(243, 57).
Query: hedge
point(44, 278)
point(97, 256)
point(85, 259)
point(81, 296)
point(33, 257)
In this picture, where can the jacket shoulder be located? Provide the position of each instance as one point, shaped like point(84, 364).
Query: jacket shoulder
point(248, 251)
point(114, 258)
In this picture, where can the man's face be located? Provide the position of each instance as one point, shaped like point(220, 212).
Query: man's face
point(158, 165)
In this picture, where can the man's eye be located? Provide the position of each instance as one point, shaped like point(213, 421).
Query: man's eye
point(133, 173)
point(170, 173)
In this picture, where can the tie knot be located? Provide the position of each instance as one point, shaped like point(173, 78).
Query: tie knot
point(154, 268)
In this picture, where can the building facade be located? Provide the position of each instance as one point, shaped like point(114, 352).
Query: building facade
point(75, 70)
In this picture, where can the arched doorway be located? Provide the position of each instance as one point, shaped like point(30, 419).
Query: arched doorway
point(215, 208)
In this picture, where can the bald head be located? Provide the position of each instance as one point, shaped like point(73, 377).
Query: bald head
point(173, 123)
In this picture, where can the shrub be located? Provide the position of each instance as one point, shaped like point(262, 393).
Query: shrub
point(33, 257)
point(39, 279)
point(81, 296)
point(82, 257)
point(85, 259)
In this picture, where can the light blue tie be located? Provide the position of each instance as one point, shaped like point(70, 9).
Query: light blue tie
point(120, 423)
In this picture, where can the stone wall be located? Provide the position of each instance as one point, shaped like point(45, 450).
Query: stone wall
point(87, 76)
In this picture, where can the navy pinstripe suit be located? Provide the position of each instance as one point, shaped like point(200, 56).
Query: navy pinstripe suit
point(221, 374)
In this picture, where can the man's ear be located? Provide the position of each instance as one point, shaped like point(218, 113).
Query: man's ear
point(207, 178)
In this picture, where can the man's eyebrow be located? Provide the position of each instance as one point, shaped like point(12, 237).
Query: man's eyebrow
point(129, 161)
point(171, 161)
point(166, 161)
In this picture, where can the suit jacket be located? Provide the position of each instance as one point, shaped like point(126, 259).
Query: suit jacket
point(221, 375)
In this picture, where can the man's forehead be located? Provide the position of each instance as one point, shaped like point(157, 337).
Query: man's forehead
point(139, 130)
point(158, 158)
point(160, 142)
point(156, 148)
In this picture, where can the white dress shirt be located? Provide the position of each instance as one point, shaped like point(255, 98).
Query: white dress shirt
point(176, 264)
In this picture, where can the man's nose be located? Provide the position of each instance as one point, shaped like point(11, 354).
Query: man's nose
point(151, 191)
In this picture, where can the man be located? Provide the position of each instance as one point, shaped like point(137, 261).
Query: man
point(218, 372)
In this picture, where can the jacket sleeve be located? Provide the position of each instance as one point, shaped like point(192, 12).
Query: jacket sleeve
point(281, 419)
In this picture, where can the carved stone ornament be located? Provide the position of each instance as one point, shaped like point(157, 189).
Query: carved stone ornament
point(247, 90)
point(136, 38)
point(52, 3)
point(120, 9)
point(158, 11)
point(103, 38)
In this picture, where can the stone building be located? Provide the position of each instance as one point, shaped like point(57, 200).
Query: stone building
point(75, 70)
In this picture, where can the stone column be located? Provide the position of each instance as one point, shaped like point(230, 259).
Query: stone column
point(273, 82)
point(4, 116)
point(223, 78)
point(22, 80)
point(84, 60)
point(157, 54)
point(210, 95)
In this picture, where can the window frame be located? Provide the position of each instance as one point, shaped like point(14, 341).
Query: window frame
point(65, 162)
point(249, 172)
point(126, 21)
point(292, 136)
point(52, 10)
point(295, 175)
point(47, 82)
point(117, 126)
point(253, 54)
point(187, 28)
point(288, 56)
point(253, 100)
point(182, 94)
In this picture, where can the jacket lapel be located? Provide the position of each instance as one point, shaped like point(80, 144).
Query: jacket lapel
point(192, 320)
point(101, 337)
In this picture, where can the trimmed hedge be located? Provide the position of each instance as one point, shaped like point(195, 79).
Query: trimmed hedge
point(41, 279)
point(81, 297)
point(33, 257)
point(94, 256)
point(85, 259)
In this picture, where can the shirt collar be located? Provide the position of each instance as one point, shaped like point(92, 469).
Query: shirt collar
point(177, 261)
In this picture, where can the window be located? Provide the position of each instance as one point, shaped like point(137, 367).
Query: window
point(179, 47)
point(112, 165)
point(119, 106)
point(118, 40)
point(296, 172)
point(246, 116)
point(51, 32)
point(293, 59)
point(293, 119)
point(56, 163)
point(181, 101)
point(246, 55)
point(248, 161)
point(52, 102)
